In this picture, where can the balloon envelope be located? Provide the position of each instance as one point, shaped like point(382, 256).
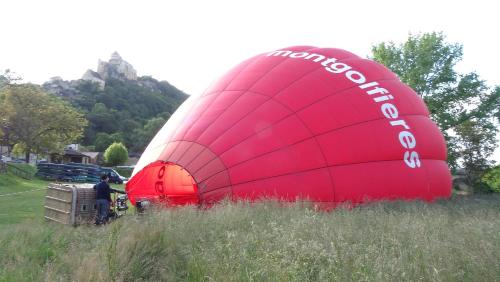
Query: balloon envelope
point(298, 123)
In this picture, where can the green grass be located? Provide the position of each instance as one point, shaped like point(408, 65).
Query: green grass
point(24, 206)
point(25, 167)
point(455, 240)
point(16, 208)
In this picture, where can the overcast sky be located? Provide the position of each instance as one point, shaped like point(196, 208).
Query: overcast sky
point(191, 43)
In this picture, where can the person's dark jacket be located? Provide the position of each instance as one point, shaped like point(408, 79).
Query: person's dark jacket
point(103, 191)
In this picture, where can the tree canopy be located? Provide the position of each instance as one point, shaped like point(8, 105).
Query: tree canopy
point(37, 121)
point(116, 154)
point(462, 105)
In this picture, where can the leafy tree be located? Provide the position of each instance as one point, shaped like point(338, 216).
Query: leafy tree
point(102, 119)
point(18, 150)
point(104, 140)
point(152, 127)
point(6, 78)
point(145, 134)
point(116, 154)
point(128, 127)
point(39, 122)
point(492, 179)
point(426, 63)
point(476, 139)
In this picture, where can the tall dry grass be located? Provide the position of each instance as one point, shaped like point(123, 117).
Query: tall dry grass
point(454, 240)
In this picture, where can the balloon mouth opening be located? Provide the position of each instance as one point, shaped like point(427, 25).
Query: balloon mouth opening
point(164, 182)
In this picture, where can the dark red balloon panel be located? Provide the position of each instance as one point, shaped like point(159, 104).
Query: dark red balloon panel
point(297, 123)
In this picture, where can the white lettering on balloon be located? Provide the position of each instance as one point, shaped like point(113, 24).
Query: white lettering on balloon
point(378, 94)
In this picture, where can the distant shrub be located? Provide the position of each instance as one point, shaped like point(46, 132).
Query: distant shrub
point(116, 154)
point(104, 140)
point(492, 179)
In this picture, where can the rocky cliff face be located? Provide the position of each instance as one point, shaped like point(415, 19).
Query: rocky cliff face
point(93, 76)
point(60, 87)
point(116, 68)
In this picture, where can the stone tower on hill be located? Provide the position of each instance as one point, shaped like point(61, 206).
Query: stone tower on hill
point(115, 68)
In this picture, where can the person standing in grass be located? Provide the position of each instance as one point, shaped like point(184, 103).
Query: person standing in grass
point(103, 199)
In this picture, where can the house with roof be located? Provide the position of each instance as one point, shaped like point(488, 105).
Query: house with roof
point(72, 156)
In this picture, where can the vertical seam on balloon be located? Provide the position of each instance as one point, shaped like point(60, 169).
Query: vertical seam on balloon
point(191, 126)
point(216, 157)
point(176, 129)
point(175, 144)
point(321, 150)
point(191, 146)
point(176, 160)
point(428, 192)
point(317, 143)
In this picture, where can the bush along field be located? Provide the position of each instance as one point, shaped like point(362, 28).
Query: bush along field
point(452, 240)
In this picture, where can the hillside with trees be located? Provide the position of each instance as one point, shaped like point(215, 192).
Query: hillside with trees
point(119, 106)
point(125, 110)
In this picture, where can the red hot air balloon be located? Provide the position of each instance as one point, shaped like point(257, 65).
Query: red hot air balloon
point(300, 122)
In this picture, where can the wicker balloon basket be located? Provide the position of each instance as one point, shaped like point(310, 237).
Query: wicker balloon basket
point(72, 204)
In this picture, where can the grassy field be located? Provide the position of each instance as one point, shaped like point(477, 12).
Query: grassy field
point(18, 207)
point(453, 240)
point(23, 199)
